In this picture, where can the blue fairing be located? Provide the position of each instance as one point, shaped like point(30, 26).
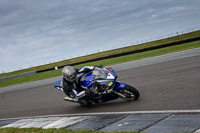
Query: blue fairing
point(118, 86)
point(57, 85)
point(88, 80)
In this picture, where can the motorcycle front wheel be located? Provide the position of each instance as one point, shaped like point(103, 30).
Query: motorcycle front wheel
point(129, 93)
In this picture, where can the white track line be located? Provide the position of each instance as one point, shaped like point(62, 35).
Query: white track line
point(48, 122)
point(112, 113)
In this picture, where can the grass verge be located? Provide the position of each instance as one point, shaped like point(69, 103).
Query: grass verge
point(107, 53)
point(39, 130)
point(106, 62)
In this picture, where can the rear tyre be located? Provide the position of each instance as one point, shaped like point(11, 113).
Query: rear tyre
point(130, 93)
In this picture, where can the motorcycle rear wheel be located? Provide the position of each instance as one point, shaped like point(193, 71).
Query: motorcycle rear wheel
point(129, 93)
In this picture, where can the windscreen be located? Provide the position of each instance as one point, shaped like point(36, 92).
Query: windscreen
point(99, 73)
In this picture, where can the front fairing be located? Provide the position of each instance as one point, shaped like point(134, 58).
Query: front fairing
point(112, 71)
point(102, 75)
point(87, 80)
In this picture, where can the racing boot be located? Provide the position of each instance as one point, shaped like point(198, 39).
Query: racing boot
point(67, 98)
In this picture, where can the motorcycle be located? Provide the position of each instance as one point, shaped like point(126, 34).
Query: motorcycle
point(105, 87)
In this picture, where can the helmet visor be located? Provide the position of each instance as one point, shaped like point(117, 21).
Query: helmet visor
point(72, 76)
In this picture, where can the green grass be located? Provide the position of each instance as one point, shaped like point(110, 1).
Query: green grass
point(39, 130)
point(111, 52)
point(106, 62)
point(53, 130)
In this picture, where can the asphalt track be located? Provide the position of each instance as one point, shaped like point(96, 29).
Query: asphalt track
point(164, 85)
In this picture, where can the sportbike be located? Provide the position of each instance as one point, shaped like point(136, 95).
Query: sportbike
point(104, 87)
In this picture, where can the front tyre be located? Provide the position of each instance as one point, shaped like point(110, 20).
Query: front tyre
point(129, 93)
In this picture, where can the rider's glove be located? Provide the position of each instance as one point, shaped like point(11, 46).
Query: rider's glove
point(100, 66)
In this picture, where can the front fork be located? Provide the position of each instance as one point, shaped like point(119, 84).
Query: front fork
point(114, 93)
point(117, 88)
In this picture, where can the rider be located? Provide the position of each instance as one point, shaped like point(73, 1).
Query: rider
point(70, 84)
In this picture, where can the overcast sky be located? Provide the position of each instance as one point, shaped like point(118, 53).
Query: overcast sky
point(35, 32)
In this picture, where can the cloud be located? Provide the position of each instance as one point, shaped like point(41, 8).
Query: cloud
point(34, 32)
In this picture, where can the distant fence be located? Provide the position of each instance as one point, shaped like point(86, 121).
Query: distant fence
point(126, 53)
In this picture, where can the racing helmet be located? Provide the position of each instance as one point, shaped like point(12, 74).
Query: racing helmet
point(69, 74)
